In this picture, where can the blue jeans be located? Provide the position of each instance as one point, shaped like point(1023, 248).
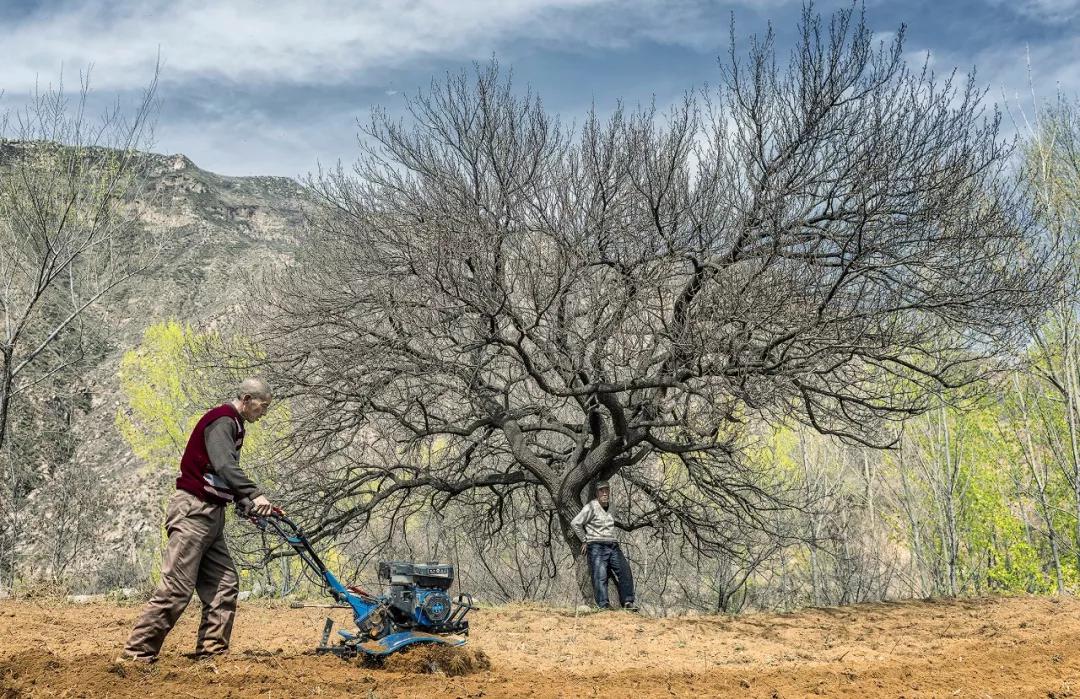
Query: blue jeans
point(607, 560)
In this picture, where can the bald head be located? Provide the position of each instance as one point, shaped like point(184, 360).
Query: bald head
point(252, 399)
point(254, 387)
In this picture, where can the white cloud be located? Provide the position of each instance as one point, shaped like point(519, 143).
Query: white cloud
point(1017, 78)
point(326, 42)
point(253, 41)
point(384, 47)
point(318, 41)
point(1048, 11)
point(1015, 70)
point(263, 146)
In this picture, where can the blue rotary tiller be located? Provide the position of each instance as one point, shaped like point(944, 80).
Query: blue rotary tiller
point(416, 607)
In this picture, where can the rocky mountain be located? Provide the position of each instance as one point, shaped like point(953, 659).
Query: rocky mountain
point(212, 226)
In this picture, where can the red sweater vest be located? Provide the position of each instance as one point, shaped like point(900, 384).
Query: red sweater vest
point(196, 472)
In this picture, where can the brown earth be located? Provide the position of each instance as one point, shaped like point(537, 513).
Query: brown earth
point(1012, 647)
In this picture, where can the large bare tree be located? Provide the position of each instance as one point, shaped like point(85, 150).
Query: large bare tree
point(495, 309)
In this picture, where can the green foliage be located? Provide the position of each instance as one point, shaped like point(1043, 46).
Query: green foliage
point(166, 394)
point(1012, 562)
point(168, 386)
point(167, 389)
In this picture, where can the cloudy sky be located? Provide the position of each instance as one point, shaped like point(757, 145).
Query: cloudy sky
point(267, 87)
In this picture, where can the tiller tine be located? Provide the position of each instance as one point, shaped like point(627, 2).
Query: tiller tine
point(396, 641)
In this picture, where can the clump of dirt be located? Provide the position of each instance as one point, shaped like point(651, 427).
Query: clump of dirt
point(22, 674)
point(29, 663)
point(437, 658)
point(128, 668)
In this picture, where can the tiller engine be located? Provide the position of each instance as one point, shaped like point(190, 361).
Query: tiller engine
point(416, 607)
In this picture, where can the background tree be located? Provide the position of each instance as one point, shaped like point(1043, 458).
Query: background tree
point(495, 310)
point(68, 229)
point(1052, 170)
point(68, 238)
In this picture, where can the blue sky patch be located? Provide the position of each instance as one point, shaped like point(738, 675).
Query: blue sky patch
point(254, 87)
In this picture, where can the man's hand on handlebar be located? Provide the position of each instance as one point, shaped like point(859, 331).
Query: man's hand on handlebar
point(260, 506)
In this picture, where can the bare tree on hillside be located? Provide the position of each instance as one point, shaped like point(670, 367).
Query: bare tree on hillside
point(494, 308)
point(68, 238)
point(67, 233)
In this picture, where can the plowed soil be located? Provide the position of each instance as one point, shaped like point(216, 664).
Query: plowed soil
point(1014, 647)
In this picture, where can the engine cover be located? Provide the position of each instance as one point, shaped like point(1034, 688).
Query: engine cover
point(434, 575)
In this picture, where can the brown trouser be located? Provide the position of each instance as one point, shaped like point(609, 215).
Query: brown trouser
point(196, 558)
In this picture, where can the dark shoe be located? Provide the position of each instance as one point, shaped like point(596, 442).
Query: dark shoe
point(632, 607)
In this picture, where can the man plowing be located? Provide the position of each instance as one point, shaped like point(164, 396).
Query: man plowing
point(196, 558)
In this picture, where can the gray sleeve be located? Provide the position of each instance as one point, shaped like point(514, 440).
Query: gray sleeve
point(578, 523)
point(220, 438)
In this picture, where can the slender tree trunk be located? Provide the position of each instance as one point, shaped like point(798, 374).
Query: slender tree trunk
point(951, 468)
point(1072, 407)
point(907, 504)
point(6, 382)
point(785, 578)
point(14, 531)
point(868, 476)
point(7, 464)
point(1040, 476)
point(815, 572)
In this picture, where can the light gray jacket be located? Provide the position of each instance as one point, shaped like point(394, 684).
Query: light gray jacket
point(594, 524)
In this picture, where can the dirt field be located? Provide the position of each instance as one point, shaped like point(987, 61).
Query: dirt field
point(1016, 647)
